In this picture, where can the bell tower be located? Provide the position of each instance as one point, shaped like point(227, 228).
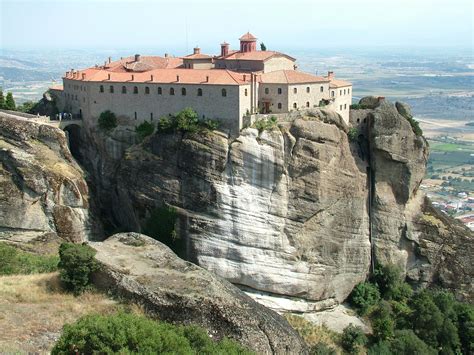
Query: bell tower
point(248, 43)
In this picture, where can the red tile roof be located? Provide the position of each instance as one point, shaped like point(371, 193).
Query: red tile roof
point(165, 76)
point(335, 83)
point(291, 77)
point(145, 63)
point(248, 37)
point(198, 56)
point(255, 55)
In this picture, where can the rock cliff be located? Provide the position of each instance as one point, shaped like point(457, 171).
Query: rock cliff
point(186, 293)
point(43, 195)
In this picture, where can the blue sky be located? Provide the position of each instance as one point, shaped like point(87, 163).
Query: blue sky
point(179, 25)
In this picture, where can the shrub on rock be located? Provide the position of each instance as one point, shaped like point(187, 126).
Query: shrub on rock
point(107, 120)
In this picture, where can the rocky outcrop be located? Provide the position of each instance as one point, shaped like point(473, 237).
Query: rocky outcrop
point(136, 267)
point(43, 195)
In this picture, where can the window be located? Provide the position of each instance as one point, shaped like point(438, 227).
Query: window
point(199, 92)
point(279, 91)
point(345, 106)
point(135, 115)
point(246, 92)
point(124, 89)
point(135, 89)
point(147, 90)
point(348, 91)
point(151, 116)
point(340, 92)
point(160, 91)
point(295, 105)
point(267, 91)
point(183, 91)
point(321, 89)
point(102, 88)
point(295, 90)
point(111, 89)
point(307, 103)
point(171, 91)
point(344, 91)
point(340, 107)
point(332, 93)
point(308, 89)
point(224, 92)
point(358, 120)
point(279, 105)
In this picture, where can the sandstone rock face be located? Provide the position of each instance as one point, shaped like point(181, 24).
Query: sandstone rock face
point(139, 268)
point(43, 195)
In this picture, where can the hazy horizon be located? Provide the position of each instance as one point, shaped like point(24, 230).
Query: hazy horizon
point(180, 25)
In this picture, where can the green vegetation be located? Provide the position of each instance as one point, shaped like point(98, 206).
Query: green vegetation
point(322, 349)
point(353, 338)
point(76, 266)
point(14, 261)
point(107, 120)
point(266, 124)
point(144, 129)
point(403, 320)
point(161, 225)
point(26, 107)
point(359, 107)
point(9, 102)
point(263, 47)
point(2, 100)
point(353, 134)
point(125, 333)
point(186, 120)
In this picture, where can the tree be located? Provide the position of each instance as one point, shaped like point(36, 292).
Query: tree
point(363, 296)
point(2, 100)
point(144, 129)
point(353, 338)
point(76, 264)
point(383, 323)
point(10, 102)
point(426, 318)
point(107, 120)
point(263, 47)
point(407, 343)
point(322, 349)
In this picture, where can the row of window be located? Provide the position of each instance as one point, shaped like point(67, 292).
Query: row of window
point(295, 90)
point(160, 90)
point(341, 92)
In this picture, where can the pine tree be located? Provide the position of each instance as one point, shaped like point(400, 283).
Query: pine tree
point(10, 102)
point(263, 47)
point(2, 100)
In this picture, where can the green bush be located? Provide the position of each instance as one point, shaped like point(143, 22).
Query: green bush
point(380, 348)
point(389, 279)
point(14, 261)
point(407, 343)
point(186, 120)
point(364, 296)
point(353, 338)
point(131, 334)
point(165, 124)
point(266, 124)
point(353, 134)
point(383, 323)
point(415, 125)
point(76, 266)
point(359, 107)
point(322, 349)
point(465, 325)
point(107, 120)
point(144, 129)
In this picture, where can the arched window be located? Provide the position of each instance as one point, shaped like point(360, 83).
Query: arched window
point(295, 90)
point(199, 92)
point(340, 92)
point(147, 90)
point(171, 91)
point(267, 91)
point(124, 89)
point(348, 91)
point(295, 105)
point(102, 88)
point(279, 91)
point(308, 89)
point(340, 107)
point(344, 91)
point(183, 91)
point(321, 88)
point(135, 89)
point(160, 91)
point(246, 92)
point(307, 103)
point(332, 93)
point(111, 89)
point(279, 105)
point(224, 92)
point(345, 106)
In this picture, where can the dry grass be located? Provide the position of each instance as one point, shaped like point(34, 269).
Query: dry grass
point(313, 334)
point(34, 308)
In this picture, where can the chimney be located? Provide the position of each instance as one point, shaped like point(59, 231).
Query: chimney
point(108, 76)
point(331, 75)
point(133, 76)
point(110, 60)
point(83, 76)
point(224, 49)
point(197, 50)
point(67, 74)
point(207, 78)
point(245, 77)
point(166, 55)
point(151, 77)
point(177, 78)
point(137, 57)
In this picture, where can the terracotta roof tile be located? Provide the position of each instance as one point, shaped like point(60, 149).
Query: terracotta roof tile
point(291, 77)
point(248, 37)
point(335, 83)
point(255, 55)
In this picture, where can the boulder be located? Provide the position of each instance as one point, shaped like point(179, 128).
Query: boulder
point(403, 109)
point(141, 269)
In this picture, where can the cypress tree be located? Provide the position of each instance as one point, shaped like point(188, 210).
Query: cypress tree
point(2, 100)
point(10, 102)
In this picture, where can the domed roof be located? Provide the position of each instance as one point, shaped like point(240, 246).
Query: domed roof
point(248, 37)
